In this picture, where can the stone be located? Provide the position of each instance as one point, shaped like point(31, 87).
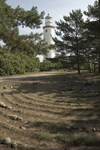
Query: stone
point(15, 117)
point(68, 127)
point(80, 104)
point(94, 130)
point(19, 111)
point(9, 107)
point(22, 128)
point(48, 110)
point(2, 104)
point(62, 92)
point(72, 104)
point(11, 87)
point(5, 87)
point(6, 140)
point(13, 145)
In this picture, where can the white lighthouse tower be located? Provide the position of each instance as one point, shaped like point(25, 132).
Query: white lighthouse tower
point(48, 34)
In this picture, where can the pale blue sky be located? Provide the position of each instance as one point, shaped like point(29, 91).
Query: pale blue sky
point(56, 8)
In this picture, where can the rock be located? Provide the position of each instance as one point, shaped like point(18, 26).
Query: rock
point(15, 117)
point(6, 141)
point(11, 87)
point(5, 87)
point(13, 145)
point(80, 104)
point(68, 127)
point(72, 104)
point(3, 105)
point(9, 107)
point(19, 111)
point(22, 128)
point(94, 130)
point(48, 110)
point(62, 92)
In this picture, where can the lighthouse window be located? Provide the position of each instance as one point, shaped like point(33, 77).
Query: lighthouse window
point(46, 30)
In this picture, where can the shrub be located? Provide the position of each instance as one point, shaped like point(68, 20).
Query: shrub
point(48, 66)
point(19, 63)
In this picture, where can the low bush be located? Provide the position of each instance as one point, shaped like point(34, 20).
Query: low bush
point(48, 66)
point(19, 63)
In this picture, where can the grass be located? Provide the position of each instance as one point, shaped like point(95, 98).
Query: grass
point(55, 110)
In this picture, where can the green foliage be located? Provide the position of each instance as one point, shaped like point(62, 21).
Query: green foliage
point(11, 64)
point(92, 36)
point(93, 11)
point(70, 32)
point(11, 19)
point(48, 66)
point(78, 44)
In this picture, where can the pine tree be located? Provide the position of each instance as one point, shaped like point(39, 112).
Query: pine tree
point(11, 19)
point(92, 24)
point(71, 40)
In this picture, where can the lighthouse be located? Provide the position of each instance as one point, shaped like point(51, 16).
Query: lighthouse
point(48, 33)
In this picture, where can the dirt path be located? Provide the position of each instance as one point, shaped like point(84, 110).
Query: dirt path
point(31, 75)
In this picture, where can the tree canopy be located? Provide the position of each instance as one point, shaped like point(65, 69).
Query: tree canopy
point(79, 39)
point(92, 25)
point(70, 32)
point(11, 19)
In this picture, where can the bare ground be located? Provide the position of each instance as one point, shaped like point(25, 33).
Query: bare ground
point(52, 106)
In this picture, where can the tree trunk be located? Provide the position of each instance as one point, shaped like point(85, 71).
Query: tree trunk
point(99, 21)
point(99, 63)
point(89, 67)
point(94, 68)
point(99, 10)
point(78, 66)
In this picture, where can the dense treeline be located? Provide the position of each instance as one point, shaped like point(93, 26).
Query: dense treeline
point(20, 63)
point(77, 42)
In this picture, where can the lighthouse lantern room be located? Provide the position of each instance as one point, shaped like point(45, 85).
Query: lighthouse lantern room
point(48, 32)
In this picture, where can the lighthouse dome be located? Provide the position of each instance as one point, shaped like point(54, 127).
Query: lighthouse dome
point(48, 20)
